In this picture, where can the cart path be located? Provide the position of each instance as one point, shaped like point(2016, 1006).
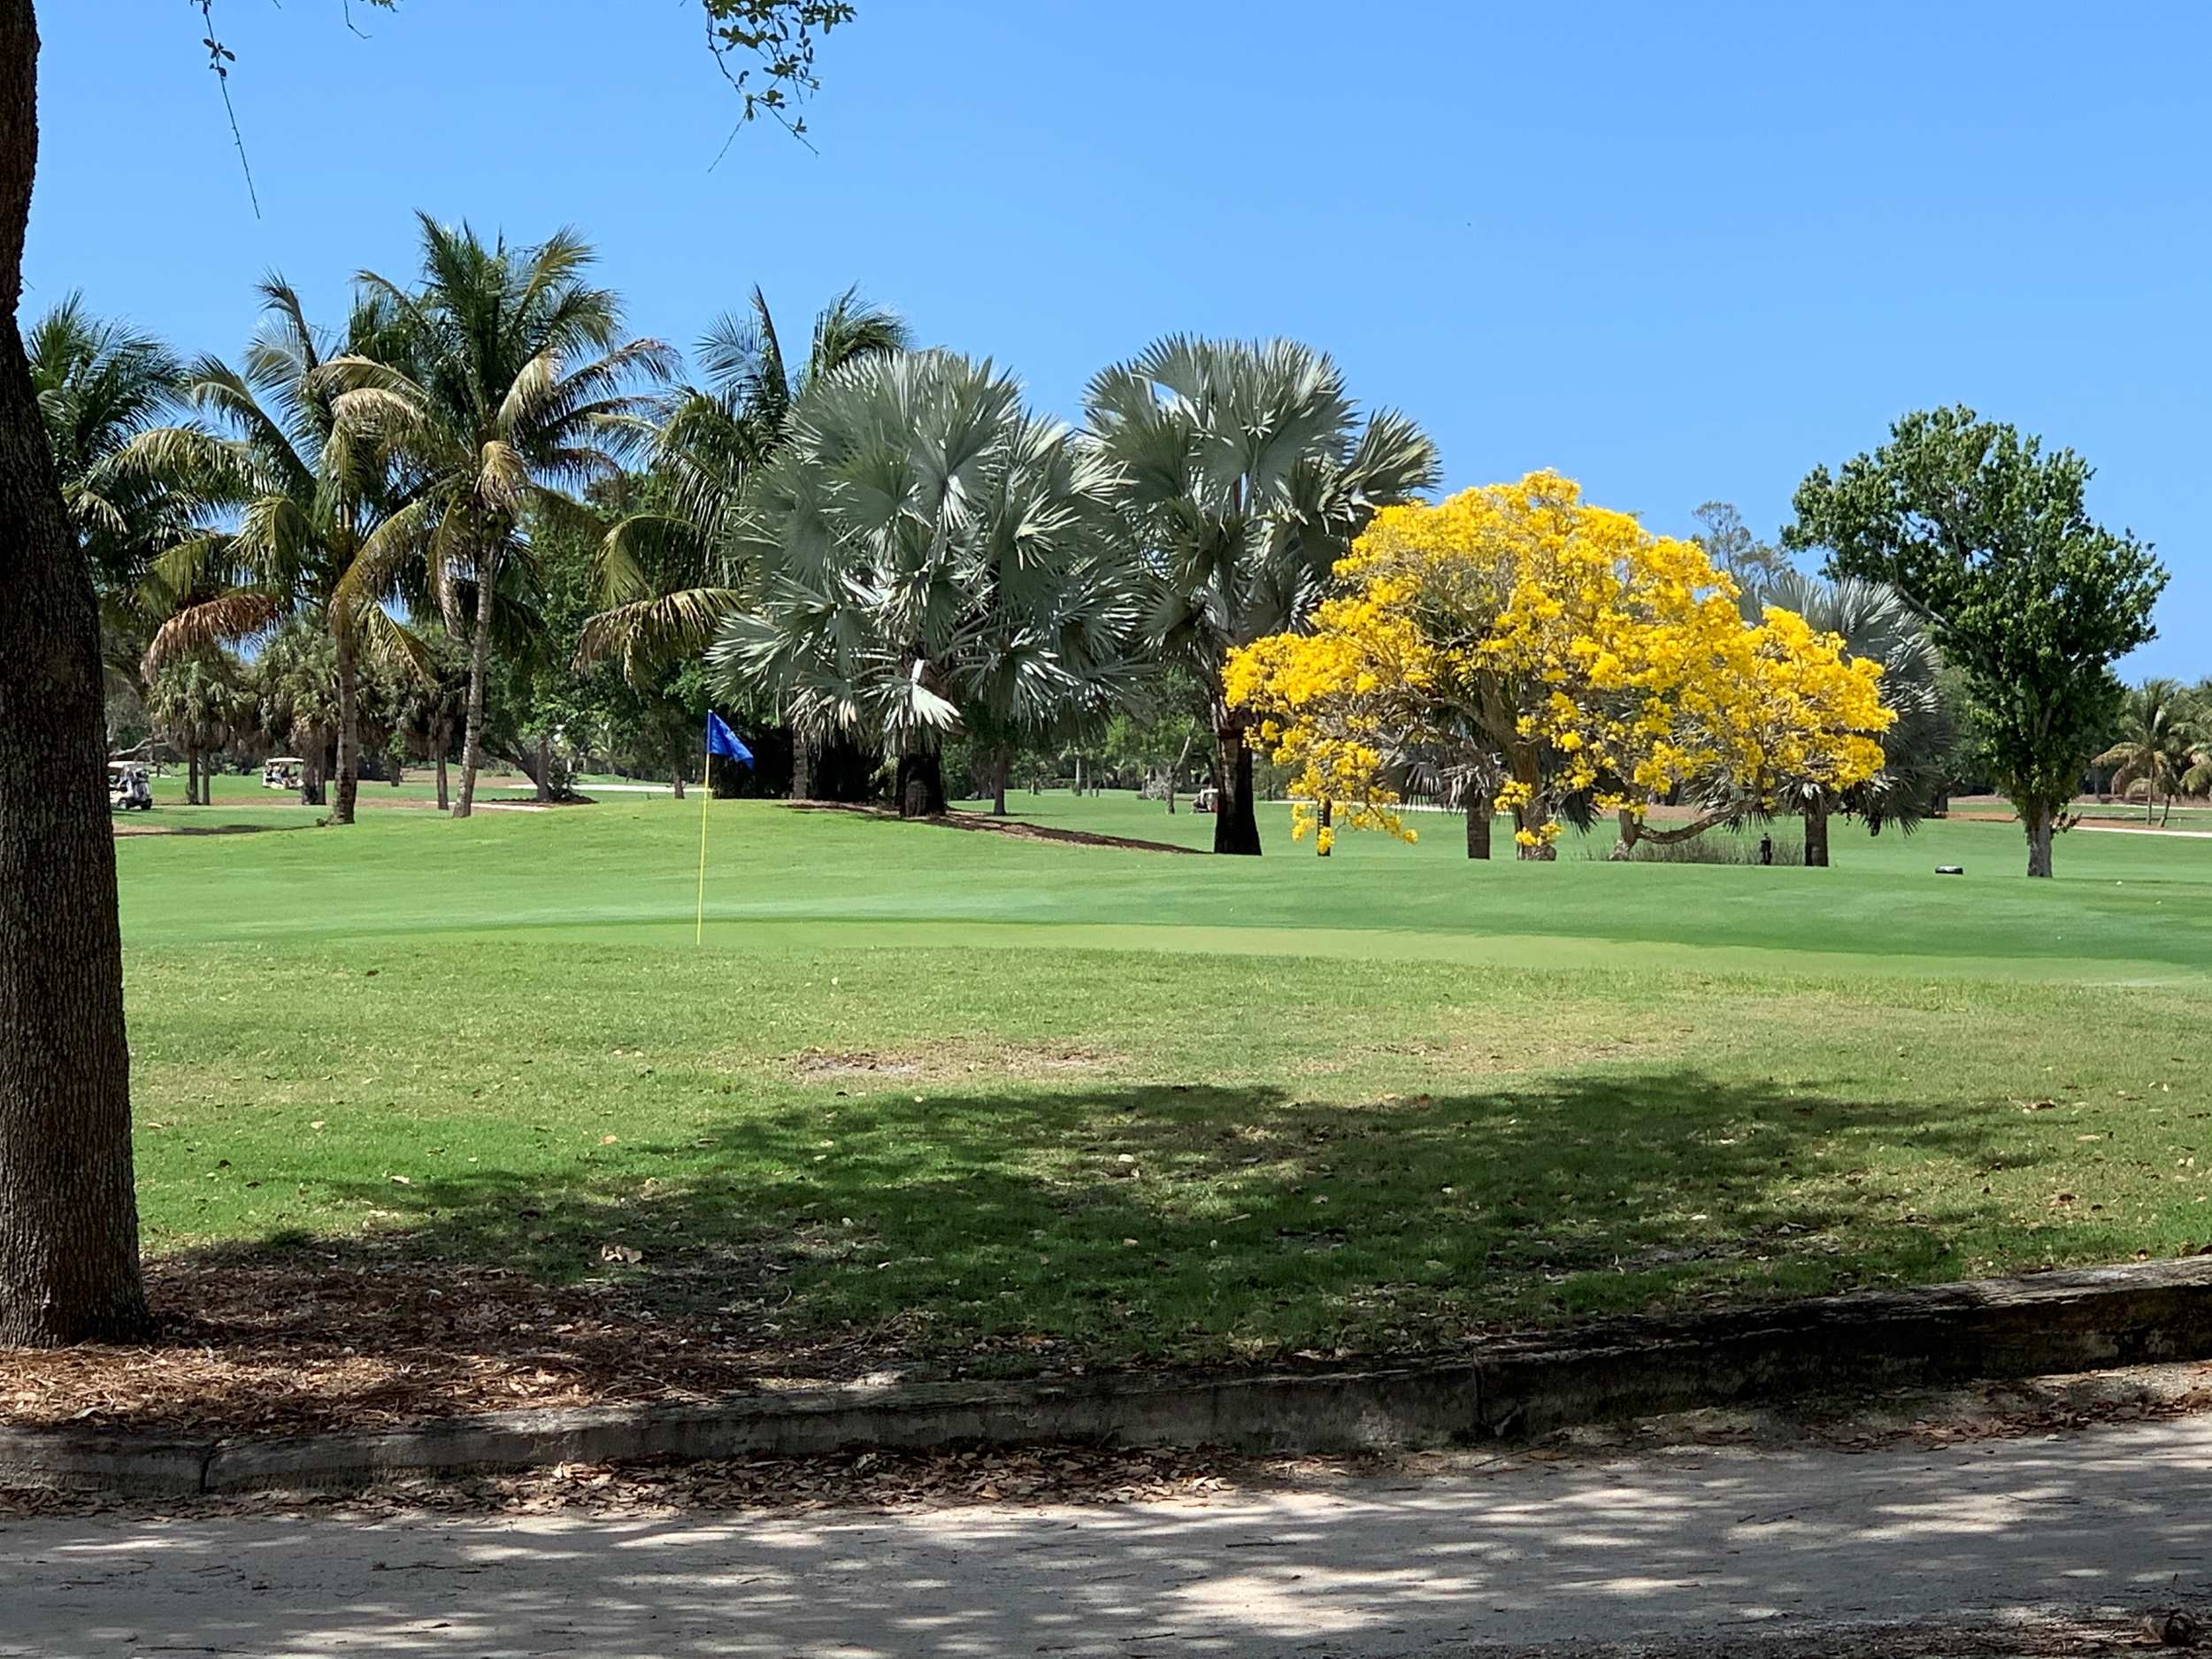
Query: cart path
point(1673, 1545)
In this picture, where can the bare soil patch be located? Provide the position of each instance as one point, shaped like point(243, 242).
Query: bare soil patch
point(946, 1062)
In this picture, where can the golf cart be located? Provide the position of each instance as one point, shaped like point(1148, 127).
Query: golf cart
point(129, 786)
point(1209, 799)
point(282, 772)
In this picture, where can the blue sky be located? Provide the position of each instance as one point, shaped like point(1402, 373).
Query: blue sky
point(1681, 253)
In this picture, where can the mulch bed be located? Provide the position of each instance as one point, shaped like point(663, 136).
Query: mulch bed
point(305, 1343)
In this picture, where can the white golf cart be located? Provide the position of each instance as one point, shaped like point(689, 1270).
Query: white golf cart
point(282, 772)
point(129, 786)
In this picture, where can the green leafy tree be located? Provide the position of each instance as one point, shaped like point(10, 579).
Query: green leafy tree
point(1241, 473)
point(1989, 538)
point(930, 557)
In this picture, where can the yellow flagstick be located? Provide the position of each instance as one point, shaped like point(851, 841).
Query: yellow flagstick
point(706, 793)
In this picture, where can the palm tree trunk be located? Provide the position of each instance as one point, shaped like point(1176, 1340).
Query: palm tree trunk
point(349, 729)
point(545, 764)
point(1001, 763)
point(68, 1209)
point(1479, 815)
point(1817, 836)
point(921, 785)
point(1236, 826)
point(480, 670)
point(442, 737)
point(191, 775)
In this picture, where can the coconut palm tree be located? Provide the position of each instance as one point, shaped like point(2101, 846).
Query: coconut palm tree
point(1241, 474)
point(928, 556)
point(198, 706)
point(671, 570)
point(306, 493)
point(2157, 737)
point(100, 383)
point(507, 390)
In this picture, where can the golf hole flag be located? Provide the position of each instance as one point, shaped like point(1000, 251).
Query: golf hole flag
point(720, 740)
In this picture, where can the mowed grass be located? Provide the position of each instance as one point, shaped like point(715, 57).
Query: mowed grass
point(1017, 1103)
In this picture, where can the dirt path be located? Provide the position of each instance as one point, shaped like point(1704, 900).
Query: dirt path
point(2143, 829)
point(1980, 1539)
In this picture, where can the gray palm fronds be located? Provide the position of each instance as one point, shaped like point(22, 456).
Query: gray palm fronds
point(929, 556)
point(1241, 474)
point(669, 572)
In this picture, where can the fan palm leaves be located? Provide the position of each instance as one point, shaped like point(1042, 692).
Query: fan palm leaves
point(305, 496)
point(1242, 473)
point(510, 388)
point(929, 556)
point(2159, 744)
point(670, 571)
point(1874, 621)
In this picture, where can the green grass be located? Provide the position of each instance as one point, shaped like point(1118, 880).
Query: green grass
point(1011, 1099)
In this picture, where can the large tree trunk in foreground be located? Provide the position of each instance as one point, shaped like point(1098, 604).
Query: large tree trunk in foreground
point(68, 1211)
point(348, 781)
point(2038, 819)
point(544, 772)
point(1479, 815)
point(480, 670)
point(1236, 826)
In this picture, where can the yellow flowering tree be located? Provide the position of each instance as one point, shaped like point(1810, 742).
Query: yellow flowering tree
point(1518, 633)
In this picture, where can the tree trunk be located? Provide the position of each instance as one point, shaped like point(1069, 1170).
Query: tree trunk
point(441, 734)
point(1817, 836)
point(545, 766)
point(922, 785)
point(1001, 763)
point(349, 778)
point(191, 776)
point(2037, 817)
point(68, 1210)
point(1541, 852)
point(1236, 826)
point(1175, 773)
point(1478, 816)
point(480, 670)
point(1324, 820)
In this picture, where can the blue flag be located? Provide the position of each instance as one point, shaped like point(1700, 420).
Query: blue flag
point(722, 740)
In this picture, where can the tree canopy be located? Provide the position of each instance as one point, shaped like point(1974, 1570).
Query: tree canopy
point(1990, 537)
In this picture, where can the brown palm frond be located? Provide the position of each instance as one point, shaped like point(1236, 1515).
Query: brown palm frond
point(223, 620)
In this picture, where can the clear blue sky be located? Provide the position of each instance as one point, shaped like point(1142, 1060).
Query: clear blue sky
point(1678, 252)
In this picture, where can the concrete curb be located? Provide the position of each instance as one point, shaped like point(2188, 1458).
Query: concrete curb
point(1988, 1330)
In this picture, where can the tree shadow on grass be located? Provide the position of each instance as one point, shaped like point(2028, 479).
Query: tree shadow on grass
point(1040, 1229)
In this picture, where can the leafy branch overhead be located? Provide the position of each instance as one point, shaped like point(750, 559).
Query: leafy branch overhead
point(764, 48)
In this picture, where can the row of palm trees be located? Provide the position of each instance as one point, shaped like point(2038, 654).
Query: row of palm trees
point(880, 545)
point(2163, 746)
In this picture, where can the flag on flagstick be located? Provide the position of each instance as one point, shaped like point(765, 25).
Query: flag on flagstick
point(720, 740)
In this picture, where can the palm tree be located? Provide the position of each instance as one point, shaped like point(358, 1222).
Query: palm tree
point(506, 390)
point(99, 385)
point(196, 703)
point(673, 570)
point(928, 556)
point(1874, 621)
point(2157, 736)
point(307, 493)
point(1242, 475)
